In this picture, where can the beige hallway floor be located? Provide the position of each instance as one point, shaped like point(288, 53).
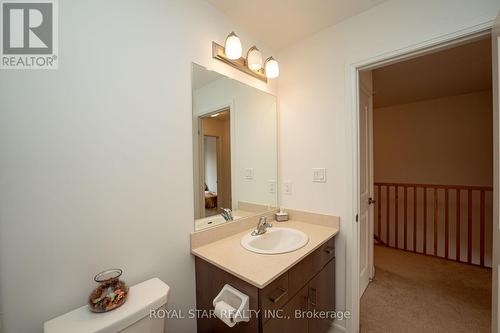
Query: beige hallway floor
point(416, 293)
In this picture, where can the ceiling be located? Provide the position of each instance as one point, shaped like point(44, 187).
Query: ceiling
point(454, 71)
point(279, 23)
point(201, 76)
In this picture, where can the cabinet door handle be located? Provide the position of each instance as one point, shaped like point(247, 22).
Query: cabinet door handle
point(330, 250)
point(277, 295)
point(312, 296)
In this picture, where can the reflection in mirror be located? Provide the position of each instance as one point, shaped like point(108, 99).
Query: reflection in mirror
point(234, 141)
point(215, 129)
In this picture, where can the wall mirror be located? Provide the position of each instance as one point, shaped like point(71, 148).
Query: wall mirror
point(235, 149)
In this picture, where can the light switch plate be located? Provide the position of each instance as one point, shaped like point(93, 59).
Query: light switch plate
point(319, 175)
point(287, 187)
point(272, 186)
point(248, 173)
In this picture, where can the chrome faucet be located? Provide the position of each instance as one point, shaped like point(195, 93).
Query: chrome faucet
point(227, 214)
point(261, 226)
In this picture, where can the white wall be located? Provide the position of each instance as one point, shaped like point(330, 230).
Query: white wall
point(96, 157)
point(315, 98)
point(446, 140)
point(253, 136)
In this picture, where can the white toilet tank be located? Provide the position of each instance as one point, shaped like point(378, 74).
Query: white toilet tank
point(132, 317)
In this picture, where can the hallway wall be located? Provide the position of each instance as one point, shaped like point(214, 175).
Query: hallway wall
point(440, 141)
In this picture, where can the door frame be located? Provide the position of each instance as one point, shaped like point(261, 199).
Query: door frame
point(200, 192)
point(352, 112)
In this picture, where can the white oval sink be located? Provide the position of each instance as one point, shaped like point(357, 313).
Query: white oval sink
point(275, 241)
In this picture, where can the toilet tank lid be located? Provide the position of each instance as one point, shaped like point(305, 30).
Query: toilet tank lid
point(142, 298)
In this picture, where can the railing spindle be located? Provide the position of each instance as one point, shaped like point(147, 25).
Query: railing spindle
point(435, 222)
point(396, 215)
point(446, 223)
point(405, 218)
point(379, 206)
point(469, 226)
point(457, 245)
point(388, 213)
point(481, 242)
point(414, 219)
point(425, 221)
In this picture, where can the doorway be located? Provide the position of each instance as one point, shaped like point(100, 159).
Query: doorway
point(215, 169)
point(212, 161)
point(444, 216)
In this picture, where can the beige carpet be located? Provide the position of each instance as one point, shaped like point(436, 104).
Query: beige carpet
point(415, 293)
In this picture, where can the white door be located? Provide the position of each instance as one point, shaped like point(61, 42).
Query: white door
point(496, 174)
point(365, 218)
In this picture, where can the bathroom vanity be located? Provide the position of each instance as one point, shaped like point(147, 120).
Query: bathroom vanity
point(284, 289)
point(279, 277)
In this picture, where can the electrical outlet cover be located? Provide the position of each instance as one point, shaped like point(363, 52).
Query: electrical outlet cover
point(287, 187)
point(319, 175)
point(248, 173)
point(272, 186)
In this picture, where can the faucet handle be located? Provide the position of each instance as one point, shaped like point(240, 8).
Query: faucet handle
point(263, 222)
point(227, 214)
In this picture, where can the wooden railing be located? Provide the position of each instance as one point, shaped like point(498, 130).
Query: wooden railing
point(447, 221)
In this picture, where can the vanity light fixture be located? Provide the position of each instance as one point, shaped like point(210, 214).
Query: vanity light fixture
point(254, 58)
point(272, 68)
point(215, 115)
point(233, 46)
point(230, 54)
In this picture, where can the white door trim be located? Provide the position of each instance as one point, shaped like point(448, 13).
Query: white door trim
point(352, 164)
point(495, 39)
point(365, 207)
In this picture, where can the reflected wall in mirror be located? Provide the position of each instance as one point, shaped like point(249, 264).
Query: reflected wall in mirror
point(235, 149)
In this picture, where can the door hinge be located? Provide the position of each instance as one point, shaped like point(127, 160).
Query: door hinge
point(356, 217)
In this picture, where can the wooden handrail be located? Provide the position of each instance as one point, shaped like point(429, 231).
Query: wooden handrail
point(415, 239)
point(438, 186)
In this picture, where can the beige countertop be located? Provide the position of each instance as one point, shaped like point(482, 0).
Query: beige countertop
point(261, 269)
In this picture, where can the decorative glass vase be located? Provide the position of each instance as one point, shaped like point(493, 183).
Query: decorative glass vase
point(111, 292)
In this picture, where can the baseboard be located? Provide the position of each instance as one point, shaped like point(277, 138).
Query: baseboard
point(337, 328)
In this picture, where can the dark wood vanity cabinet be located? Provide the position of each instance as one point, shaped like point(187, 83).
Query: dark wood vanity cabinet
point(285, 305)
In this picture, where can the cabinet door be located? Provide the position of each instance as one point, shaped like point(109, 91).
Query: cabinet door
point(322, 298)
point(307, 268)
point(291, 323)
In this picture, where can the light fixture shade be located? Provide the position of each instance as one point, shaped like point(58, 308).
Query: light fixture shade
point(233, 47)
point(254, 59)
point(272, 68)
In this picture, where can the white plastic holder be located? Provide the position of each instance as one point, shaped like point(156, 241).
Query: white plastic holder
point(232, 306)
